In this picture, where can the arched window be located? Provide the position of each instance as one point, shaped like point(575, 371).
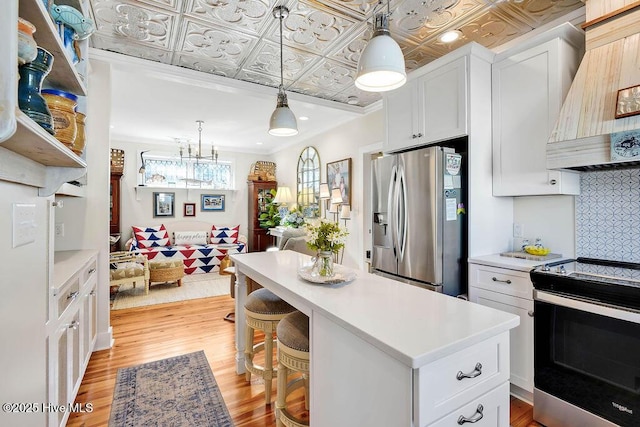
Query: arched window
point(309, 182)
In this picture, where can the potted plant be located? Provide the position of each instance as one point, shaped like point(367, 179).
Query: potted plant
point(270, 218)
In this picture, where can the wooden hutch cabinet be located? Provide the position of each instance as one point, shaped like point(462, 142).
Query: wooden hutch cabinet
point(259, 239)
point(114, 203)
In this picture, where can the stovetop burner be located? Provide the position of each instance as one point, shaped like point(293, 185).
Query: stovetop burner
point(607, 282)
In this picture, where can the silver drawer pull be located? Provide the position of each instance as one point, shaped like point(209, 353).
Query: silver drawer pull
point(74, 324)
point(93, 270)
point(495, 279)
point(474, 419)
point(92, 293)
point(73, 295)
point(477, 371)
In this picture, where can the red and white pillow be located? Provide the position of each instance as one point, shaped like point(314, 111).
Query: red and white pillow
point(227, 235)
point(150, 237)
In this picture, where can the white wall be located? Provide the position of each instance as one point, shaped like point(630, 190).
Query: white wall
point(137, 202)
point(23, 307)
point(551, 218)
point(340, 143)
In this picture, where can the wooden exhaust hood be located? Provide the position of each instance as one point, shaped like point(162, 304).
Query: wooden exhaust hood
point(581, 137)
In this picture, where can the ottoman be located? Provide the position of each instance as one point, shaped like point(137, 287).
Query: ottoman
point(166, 271)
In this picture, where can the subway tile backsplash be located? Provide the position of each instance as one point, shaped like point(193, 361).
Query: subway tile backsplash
point(608, 215)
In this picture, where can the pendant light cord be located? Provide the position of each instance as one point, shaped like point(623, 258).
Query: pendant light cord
point(281, 56)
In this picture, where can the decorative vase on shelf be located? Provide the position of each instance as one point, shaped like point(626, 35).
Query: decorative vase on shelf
point(62, 107)
point(27, 46)
point(30, 100)
point(323, 265)
point(79, 142)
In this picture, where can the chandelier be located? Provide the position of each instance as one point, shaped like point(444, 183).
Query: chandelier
point(197, 155)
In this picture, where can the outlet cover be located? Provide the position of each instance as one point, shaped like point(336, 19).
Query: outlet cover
point(518, 230)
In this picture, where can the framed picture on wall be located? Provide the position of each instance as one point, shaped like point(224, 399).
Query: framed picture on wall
point(213, 202)
point(339, 176)
point(164, 204)
point(189, 209)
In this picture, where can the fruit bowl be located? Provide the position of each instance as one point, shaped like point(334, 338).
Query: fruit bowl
point(537, 250)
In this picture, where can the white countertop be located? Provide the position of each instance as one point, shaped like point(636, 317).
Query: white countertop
point(414, 325)
point(519, 264)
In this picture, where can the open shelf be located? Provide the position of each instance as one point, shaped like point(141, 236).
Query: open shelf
point(33, 142)
point(63, 74)
point(71, 190)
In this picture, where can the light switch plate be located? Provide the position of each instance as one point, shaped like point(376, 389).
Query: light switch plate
point(24, 224)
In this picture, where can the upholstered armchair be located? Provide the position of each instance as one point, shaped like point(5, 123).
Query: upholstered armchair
point(298, 244)
point(128, 267)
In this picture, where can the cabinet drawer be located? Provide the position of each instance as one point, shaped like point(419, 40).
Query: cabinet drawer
point(490, 410)
point(510, 282)
point(89, 270)
point(441, 386)
point(66, 294)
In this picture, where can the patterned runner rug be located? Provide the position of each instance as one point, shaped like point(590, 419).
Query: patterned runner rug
point(178, 391)
point(193, 286)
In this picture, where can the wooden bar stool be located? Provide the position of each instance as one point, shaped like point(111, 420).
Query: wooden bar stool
point(263, 310)
point(293, 356)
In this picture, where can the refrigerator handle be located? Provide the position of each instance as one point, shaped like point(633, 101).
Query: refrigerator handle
point(402, 214)
point(391, 204)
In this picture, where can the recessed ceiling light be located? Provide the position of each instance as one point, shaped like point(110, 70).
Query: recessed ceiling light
point(352, 100)
point(303, 118)
point(258, 143)
point(111, 126)
point(450, 36)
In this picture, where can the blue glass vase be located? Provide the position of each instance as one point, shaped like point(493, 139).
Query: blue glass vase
point(30, 101)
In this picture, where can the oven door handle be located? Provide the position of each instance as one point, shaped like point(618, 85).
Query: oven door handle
point(587, 306)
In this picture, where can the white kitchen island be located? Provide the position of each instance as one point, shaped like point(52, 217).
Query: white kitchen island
point(388, 354)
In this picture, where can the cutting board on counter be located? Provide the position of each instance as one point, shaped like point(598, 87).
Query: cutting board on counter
point(524, 255)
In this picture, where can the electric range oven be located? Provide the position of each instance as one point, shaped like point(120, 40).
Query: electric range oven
point(587, 343)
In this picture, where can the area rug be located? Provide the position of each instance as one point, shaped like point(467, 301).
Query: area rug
point(193, 286)
point(178, 391)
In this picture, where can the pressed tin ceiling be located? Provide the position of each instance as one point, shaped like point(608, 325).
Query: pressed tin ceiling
point(322, 39)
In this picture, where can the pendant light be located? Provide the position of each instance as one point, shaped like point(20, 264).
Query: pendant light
point(283, 121)
point(381, 65)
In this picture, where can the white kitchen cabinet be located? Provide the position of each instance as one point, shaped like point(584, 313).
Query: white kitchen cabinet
point(510, 291)
point(443, 100)
point(400, 106)
point(71, 327)
point(461, 377)
point(89, 320)
point(489, 410)
point(429, 108)
point(530, 83)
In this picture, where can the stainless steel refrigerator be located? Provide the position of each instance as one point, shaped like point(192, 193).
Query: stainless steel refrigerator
point(418, 214)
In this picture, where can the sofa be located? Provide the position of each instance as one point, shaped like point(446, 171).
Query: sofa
point(200, 245)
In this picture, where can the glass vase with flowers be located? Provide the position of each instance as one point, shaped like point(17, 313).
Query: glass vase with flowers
point(327, 239)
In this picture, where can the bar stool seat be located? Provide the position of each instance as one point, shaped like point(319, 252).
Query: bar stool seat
point(293, 356)
point(263, 310)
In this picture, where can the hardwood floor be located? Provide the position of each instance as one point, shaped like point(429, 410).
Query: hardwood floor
point(155, 332)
